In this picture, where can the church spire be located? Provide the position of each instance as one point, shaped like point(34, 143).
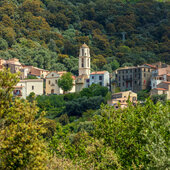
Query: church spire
point(84, 60)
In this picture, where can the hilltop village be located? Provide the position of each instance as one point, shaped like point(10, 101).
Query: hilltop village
point(127, 80)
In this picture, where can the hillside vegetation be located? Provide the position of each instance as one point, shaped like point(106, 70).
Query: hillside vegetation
point(136, 137)
point(48, 33)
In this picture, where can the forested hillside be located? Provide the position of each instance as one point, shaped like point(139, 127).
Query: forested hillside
point(48, 33)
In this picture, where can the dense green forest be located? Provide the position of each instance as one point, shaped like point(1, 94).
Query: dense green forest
point(86, 135)
point(48, 33)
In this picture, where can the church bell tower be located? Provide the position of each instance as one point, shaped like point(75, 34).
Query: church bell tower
point(84, 60)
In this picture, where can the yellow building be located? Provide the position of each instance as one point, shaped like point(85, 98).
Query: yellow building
point(121, 99)
point(52, 83)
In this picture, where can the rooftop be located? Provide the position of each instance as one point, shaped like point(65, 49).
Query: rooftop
point(161, 89)
point(31, 80)
point(98, 72)
point(84, 46)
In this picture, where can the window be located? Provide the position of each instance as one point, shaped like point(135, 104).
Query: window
point(52, 75)
point(32, 87)
point(144, 69)
point(131, 70)
point(119, 84)
point(49, 82)
point(123, 77)
point(82, 64)
point(126, 71)
point(55, 81)
point(52, 91)
point(88, 61)
point(149, 70)
point(92, 77)
point(144, 75)
point(123, 83)
point(82, 52)
point(135, 82)
point(100, 77)
point(119, 78)
point(100, 83)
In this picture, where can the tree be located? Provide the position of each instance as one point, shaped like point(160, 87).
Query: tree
point(21, 143)
point(66, 82)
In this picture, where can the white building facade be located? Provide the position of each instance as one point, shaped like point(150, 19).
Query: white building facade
point(25, 87)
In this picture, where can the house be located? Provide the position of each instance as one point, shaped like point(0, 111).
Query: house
point(13, 64)
point(162, 88)
point(134, 78)
point(52, 83)
point(160, 65)
point(25, 87)
point(37, 72)
point(159, 75)
point(121, 98)
point(99, 77)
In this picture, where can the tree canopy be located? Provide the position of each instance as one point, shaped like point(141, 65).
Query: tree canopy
point(66, 82)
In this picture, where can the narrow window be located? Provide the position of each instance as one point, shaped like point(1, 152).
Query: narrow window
point(55, 81)
point(82, 62)
point(100, 77)
point(88, 62)
point(82, 52)
point(49, 82)
point(32, 87)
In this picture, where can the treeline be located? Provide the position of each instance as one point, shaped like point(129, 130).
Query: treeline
point(48, 33)
point(74, 104)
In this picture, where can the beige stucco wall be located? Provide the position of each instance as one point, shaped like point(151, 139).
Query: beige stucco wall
point(53, 85)
point(32, 85)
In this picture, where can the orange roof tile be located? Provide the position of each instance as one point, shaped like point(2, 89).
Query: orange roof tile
point(160, 89)
point(167, 82)
point(150, 65)
point(98, 72)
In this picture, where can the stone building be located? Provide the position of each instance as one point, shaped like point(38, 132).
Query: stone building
point(134, 78)
point(121, 98)
point(159, 75)
point(162, 88)
point(13, 64)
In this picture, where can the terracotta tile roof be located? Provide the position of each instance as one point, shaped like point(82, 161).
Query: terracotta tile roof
point(160, 89)
point(152, 66)
point(166, 82)
point(98, 72)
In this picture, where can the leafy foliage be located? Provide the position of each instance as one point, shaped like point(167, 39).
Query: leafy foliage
point(48, 33)
point(21, 143)
point(66, 82)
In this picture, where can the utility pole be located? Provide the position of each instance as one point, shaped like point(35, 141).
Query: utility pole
point(123, 36)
